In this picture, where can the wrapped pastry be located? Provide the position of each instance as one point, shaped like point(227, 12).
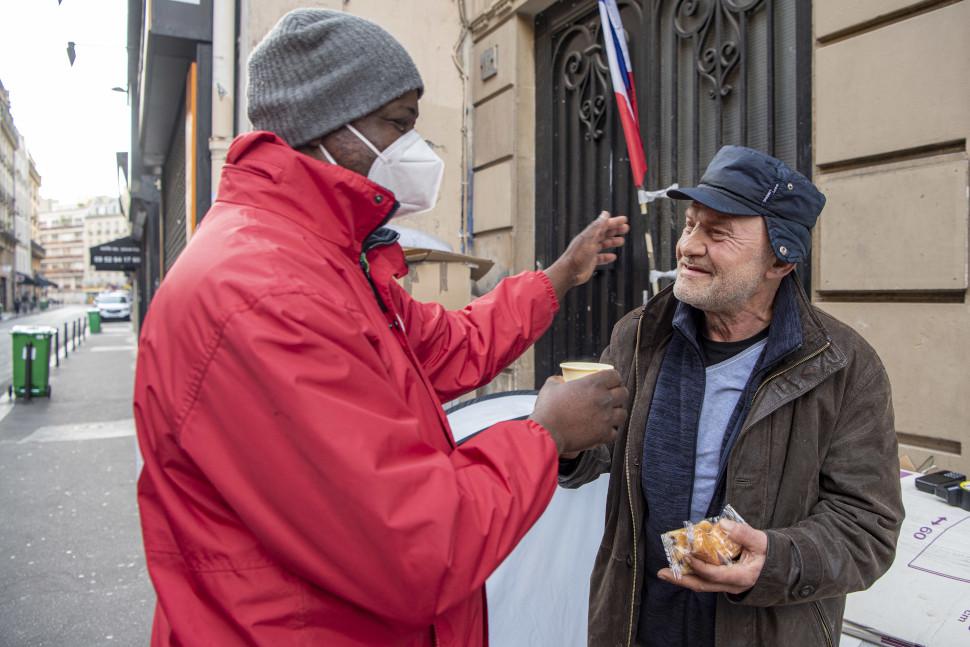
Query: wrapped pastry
point(705, 538)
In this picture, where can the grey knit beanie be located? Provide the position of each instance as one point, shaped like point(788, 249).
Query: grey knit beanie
point(318, 70)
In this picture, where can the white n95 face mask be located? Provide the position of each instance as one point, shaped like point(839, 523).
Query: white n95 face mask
point(409, 168)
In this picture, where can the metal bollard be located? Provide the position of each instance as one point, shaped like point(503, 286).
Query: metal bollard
point(74, 334)
point(57, 353)
point(66, 338)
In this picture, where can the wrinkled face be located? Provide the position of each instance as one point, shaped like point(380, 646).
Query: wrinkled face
point(382, 127)
point(723, 261)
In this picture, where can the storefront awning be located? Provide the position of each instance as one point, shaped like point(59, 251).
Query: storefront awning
point(25, 279)
point(41, 281)
point(121, 255)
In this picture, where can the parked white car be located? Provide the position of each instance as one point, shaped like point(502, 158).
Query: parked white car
point(114, 305)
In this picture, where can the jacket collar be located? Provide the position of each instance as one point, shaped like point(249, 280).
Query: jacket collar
point(785, 335)
point(333, 203)
point(658, 317)
point(806, 365)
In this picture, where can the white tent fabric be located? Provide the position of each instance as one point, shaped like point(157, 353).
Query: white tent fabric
point(539, 596)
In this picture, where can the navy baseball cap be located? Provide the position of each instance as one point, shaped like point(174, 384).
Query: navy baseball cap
point(742, 181)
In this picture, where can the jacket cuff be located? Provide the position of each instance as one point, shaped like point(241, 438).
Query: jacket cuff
point(550, 290)
point(791, 574)
point(568, 465)
point(542, 431)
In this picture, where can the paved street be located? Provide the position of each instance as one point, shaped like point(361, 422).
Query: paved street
point(71, 559)
point(55, 317)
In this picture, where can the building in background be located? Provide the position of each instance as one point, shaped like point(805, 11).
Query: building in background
point(67, 232)
point(103, 223)
point(37, 251)
point(62, 236)
point(168, 175)
point(869, 100)
point(9, 139)
point(19, 207)
point(23, 204)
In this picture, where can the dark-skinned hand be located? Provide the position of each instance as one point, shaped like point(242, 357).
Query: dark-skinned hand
point(587, 251)
point(584, 413)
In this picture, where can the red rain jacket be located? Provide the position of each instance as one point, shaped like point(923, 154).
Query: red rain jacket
point(301, 484)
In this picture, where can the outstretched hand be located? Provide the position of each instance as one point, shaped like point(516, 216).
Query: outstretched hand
point(587, 251)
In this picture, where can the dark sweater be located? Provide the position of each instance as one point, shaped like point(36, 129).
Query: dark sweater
point(671, 615)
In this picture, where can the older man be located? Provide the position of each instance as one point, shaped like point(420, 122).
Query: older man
point(301, 483)
point(743, 393)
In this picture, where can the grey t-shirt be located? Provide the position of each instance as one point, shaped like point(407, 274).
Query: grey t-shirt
point(724, 384)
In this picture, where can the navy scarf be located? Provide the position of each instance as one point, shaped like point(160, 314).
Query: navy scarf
point(671, 615)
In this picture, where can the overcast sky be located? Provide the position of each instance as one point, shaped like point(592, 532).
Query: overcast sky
point(72, 122)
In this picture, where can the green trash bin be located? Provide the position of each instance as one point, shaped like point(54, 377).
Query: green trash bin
point(31, 361)
point(94, 320)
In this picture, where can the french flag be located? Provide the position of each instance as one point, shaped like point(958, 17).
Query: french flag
point(621, 72)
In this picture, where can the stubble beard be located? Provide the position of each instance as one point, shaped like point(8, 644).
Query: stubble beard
point(720, 293)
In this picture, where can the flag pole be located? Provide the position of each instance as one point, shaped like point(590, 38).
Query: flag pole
point(648, 240)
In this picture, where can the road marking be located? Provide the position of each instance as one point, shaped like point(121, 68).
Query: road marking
point(84, 431)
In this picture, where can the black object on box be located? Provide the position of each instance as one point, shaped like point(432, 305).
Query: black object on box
point(937, 482)
point(965, 503)
point(952, 494)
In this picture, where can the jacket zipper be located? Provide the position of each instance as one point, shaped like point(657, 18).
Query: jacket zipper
point(395, 321)
point(821, 621)
point(365, 267)
point(629, 485)
point(793, 366)
point(365, 264)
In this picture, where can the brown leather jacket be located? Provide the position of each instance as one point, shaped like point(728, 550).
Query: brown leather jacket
point(815, 466)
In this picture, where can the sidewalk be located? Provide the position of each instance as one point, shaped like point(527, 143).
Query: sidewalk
point(71, 556)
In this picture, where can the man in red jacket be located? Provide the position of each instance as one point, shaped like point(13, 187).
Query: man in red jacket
point(301, 484)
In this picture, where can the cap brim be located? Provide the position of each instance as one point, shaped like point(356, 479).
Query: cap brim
point(712, 198)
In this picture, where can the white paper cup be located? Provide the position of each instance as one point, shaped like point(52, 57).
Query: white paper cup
point(575, 370)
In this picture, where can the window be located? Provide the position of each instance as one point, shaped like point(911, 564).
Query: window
point(113, 299)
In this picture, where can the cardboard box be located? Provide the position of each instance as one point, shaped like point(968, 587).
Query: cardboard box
point(924, 598)
point(443, 277)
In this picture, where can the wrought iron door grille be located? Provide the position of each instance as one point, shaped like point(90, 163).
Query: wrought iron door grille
point(708, 73)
